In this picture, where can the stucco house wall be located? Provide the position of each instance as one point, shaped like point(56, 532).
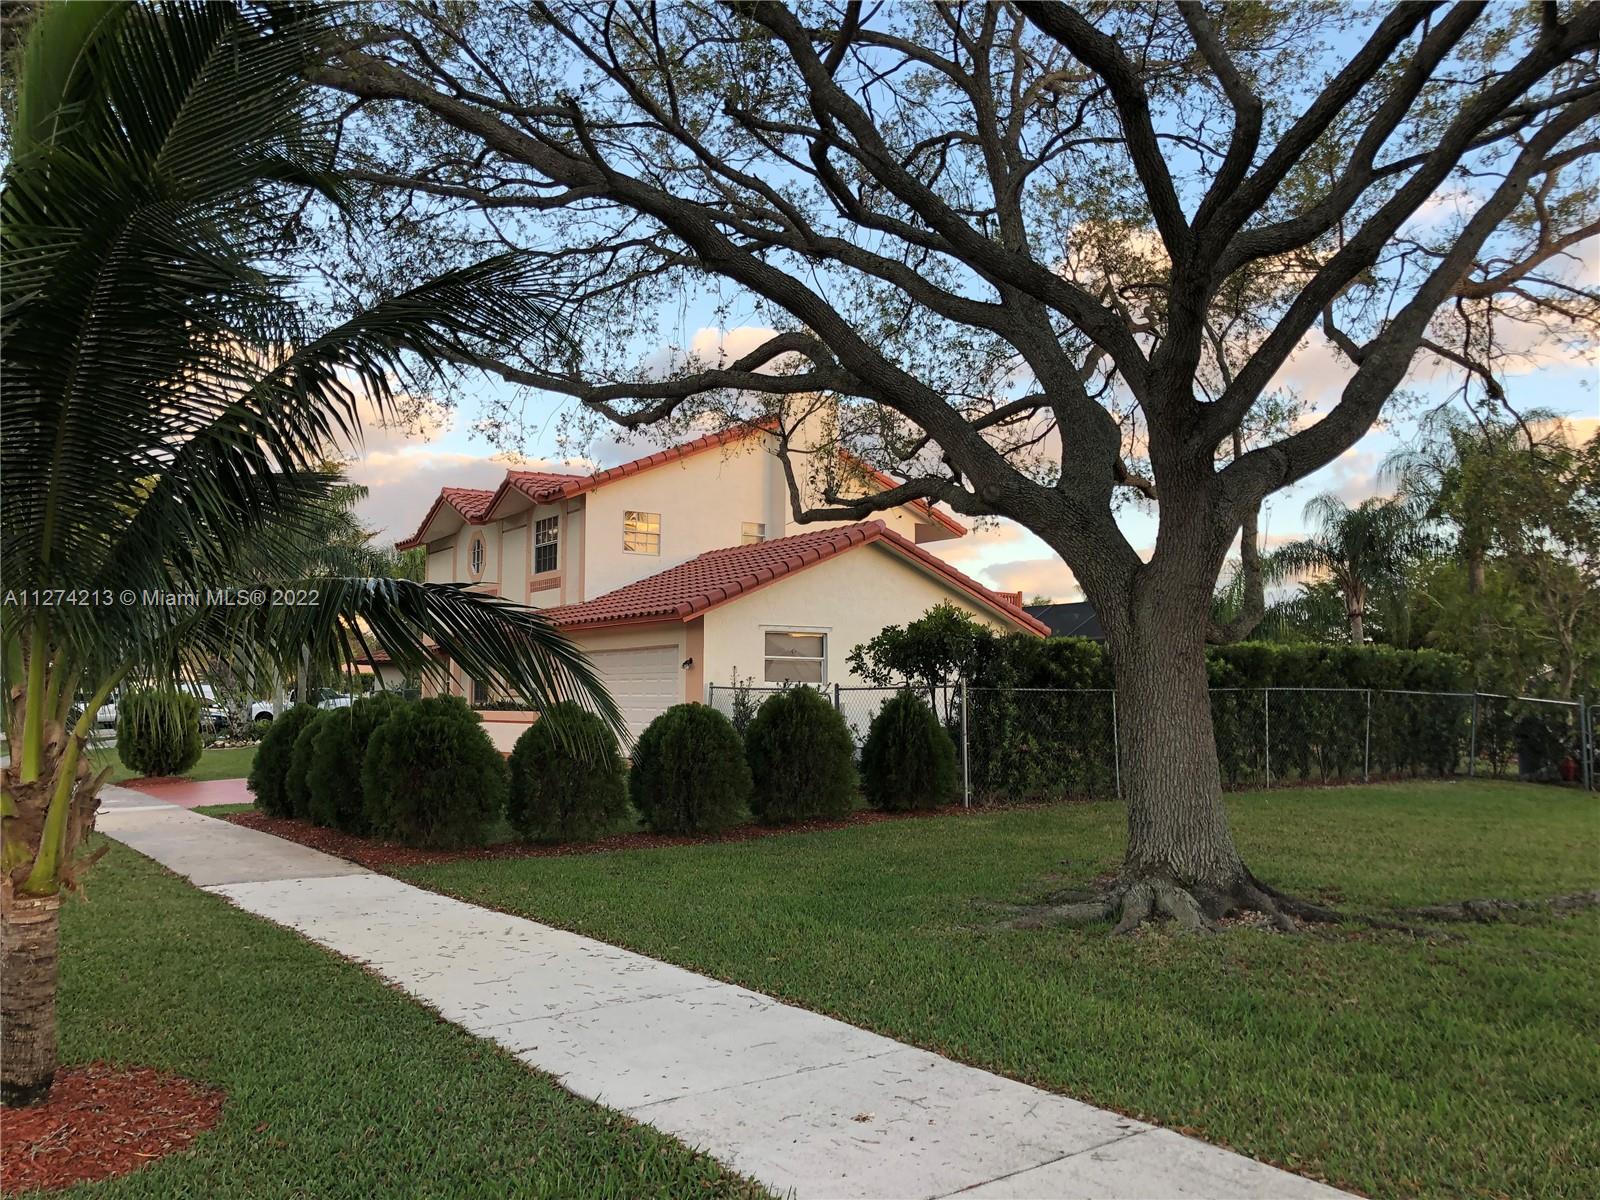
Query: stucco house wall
point(849, 598)
point(703, 501)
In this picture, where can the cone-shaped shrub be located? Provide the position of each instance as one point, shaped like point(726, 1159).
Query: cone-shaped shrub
point(337, 757)
point(270, 770)
point(909, 760)
point(296, 780)
point(568, 782)
point(689, 772)
point(432, 777)
point(802, 758)
point(158, 733)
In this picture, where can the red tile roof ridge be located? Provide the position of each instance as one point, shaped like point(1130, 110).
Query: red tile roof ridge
point(698, 584)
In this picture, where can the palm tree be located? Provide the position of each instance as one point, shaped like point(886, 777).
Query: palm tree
point(1454, 474)
point(1363, 550)
point(167, 409)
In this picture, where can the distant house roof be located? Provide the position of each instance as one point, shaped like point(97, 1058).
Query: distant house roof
point(547, 487)
point(1076, 619)
point(718, 576)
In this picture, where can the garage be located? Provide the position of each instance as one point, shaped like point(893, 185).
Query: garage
point(644, 681)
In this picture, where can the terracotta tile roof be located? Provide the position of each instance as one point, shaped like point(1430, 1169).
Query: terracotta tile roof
point(545, 487)
point(471, 503)
point(718, 576)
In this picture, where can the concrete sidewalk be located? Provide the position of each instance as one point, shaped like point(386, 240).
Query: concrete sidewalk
point(808, 1105)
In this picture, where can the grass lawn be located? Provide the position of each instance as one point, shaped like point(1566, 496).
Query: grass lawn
point(1389, 1065)
point(337, 1086)
point(227, 762)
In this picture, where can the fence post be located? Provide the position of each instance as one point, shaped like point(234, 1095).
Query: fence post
point(1266, 732)
point(1472, 740)
point(1366, 746)
point(966, 752)
point(1586, 742)
point(1116, 747)
point(711, 695)
point(836, 706)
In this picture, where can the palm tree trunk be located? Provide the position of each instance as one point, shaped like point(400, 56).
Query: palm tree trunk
point(29, 937)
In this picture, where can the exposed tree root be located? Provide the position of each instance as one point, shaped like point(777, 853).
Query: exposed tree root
point(1487, 911)
point(1128, 904)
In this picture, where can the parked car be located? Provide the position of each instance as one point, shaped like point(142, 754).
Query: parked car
point(213, 716)
point(328, 698)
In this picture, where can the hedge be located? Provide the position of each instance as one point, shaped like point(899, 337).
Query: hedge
point(432, 777)
point(296, 780)
point(158, 733)
point(1043, 745)
point(271, 767)
point(908, 760)
point(337, 756)
point(568, 781)
point(689, 772)
point(802, 758)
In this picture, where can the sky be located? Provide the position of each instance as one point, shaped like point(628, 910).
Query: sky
point(405, 468)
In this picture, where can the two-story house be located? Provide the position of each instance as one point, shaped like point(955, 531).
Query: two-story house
point(685, 568)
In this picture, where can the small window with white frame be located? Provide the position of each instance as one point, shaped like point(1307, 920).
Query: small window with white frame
point(546, 542)
point(793, 656)
point(752, 532)
point(475, 555)
point(641, 532)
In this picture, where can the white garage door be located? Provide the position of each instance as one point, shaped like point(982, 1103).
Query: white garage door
point(644, 682)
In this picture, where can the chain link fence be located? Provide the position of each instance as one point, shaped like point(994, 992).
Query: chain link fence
point(1043, 744)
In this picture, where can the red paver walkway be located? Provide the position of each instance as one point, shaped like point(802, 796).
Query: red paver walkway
point(192, 793)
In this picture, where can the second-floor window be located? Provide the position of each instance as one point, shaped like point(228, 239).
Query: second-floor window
point(641, 532)
point(546, 535)
point(752, 532)
point(475, 555)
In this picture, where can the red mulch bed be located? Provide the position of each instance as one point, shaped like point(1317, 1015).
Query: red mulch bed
point(102, 1121)
point(377, 856)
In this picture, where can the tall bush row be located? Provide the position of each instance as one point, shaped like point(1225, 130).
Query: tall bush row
point(1034, 745)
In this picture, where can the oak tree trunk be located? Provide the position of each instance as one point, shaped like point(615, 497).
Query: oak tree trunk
point(1177, 831)
point(29, 935)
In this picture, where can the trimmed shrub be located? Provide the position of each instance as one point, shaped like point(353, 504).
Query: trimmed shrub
point(432, 777)
point(158, 733)
point(568, 782)
point(340, 749)
point(908, 760)
point(296, 785)
point(689, 772)
point(801, 758)
point(270, 770)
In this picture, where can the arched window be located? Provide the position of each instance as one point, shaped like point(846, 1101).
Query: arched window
point(475, 555)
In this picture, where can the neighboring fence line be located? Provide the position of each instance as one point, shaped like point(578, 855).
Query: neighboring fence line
point(1042, 743)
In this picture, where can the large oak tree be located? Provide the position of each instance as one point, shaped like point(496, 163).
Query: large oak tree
point(1042, 258)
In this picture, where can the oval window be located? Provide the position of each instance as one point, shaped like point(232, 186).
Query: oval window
point(475, 555)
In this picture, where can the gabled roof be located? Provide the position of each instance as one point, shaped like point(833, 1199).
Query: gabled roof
point(718, 576)
point(546, 487)
point(471, 503)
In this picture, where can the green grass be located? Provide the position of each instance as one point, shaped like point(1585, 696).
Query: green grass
point(337, 1086)
point(1390, 1065)
point(226, 762)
